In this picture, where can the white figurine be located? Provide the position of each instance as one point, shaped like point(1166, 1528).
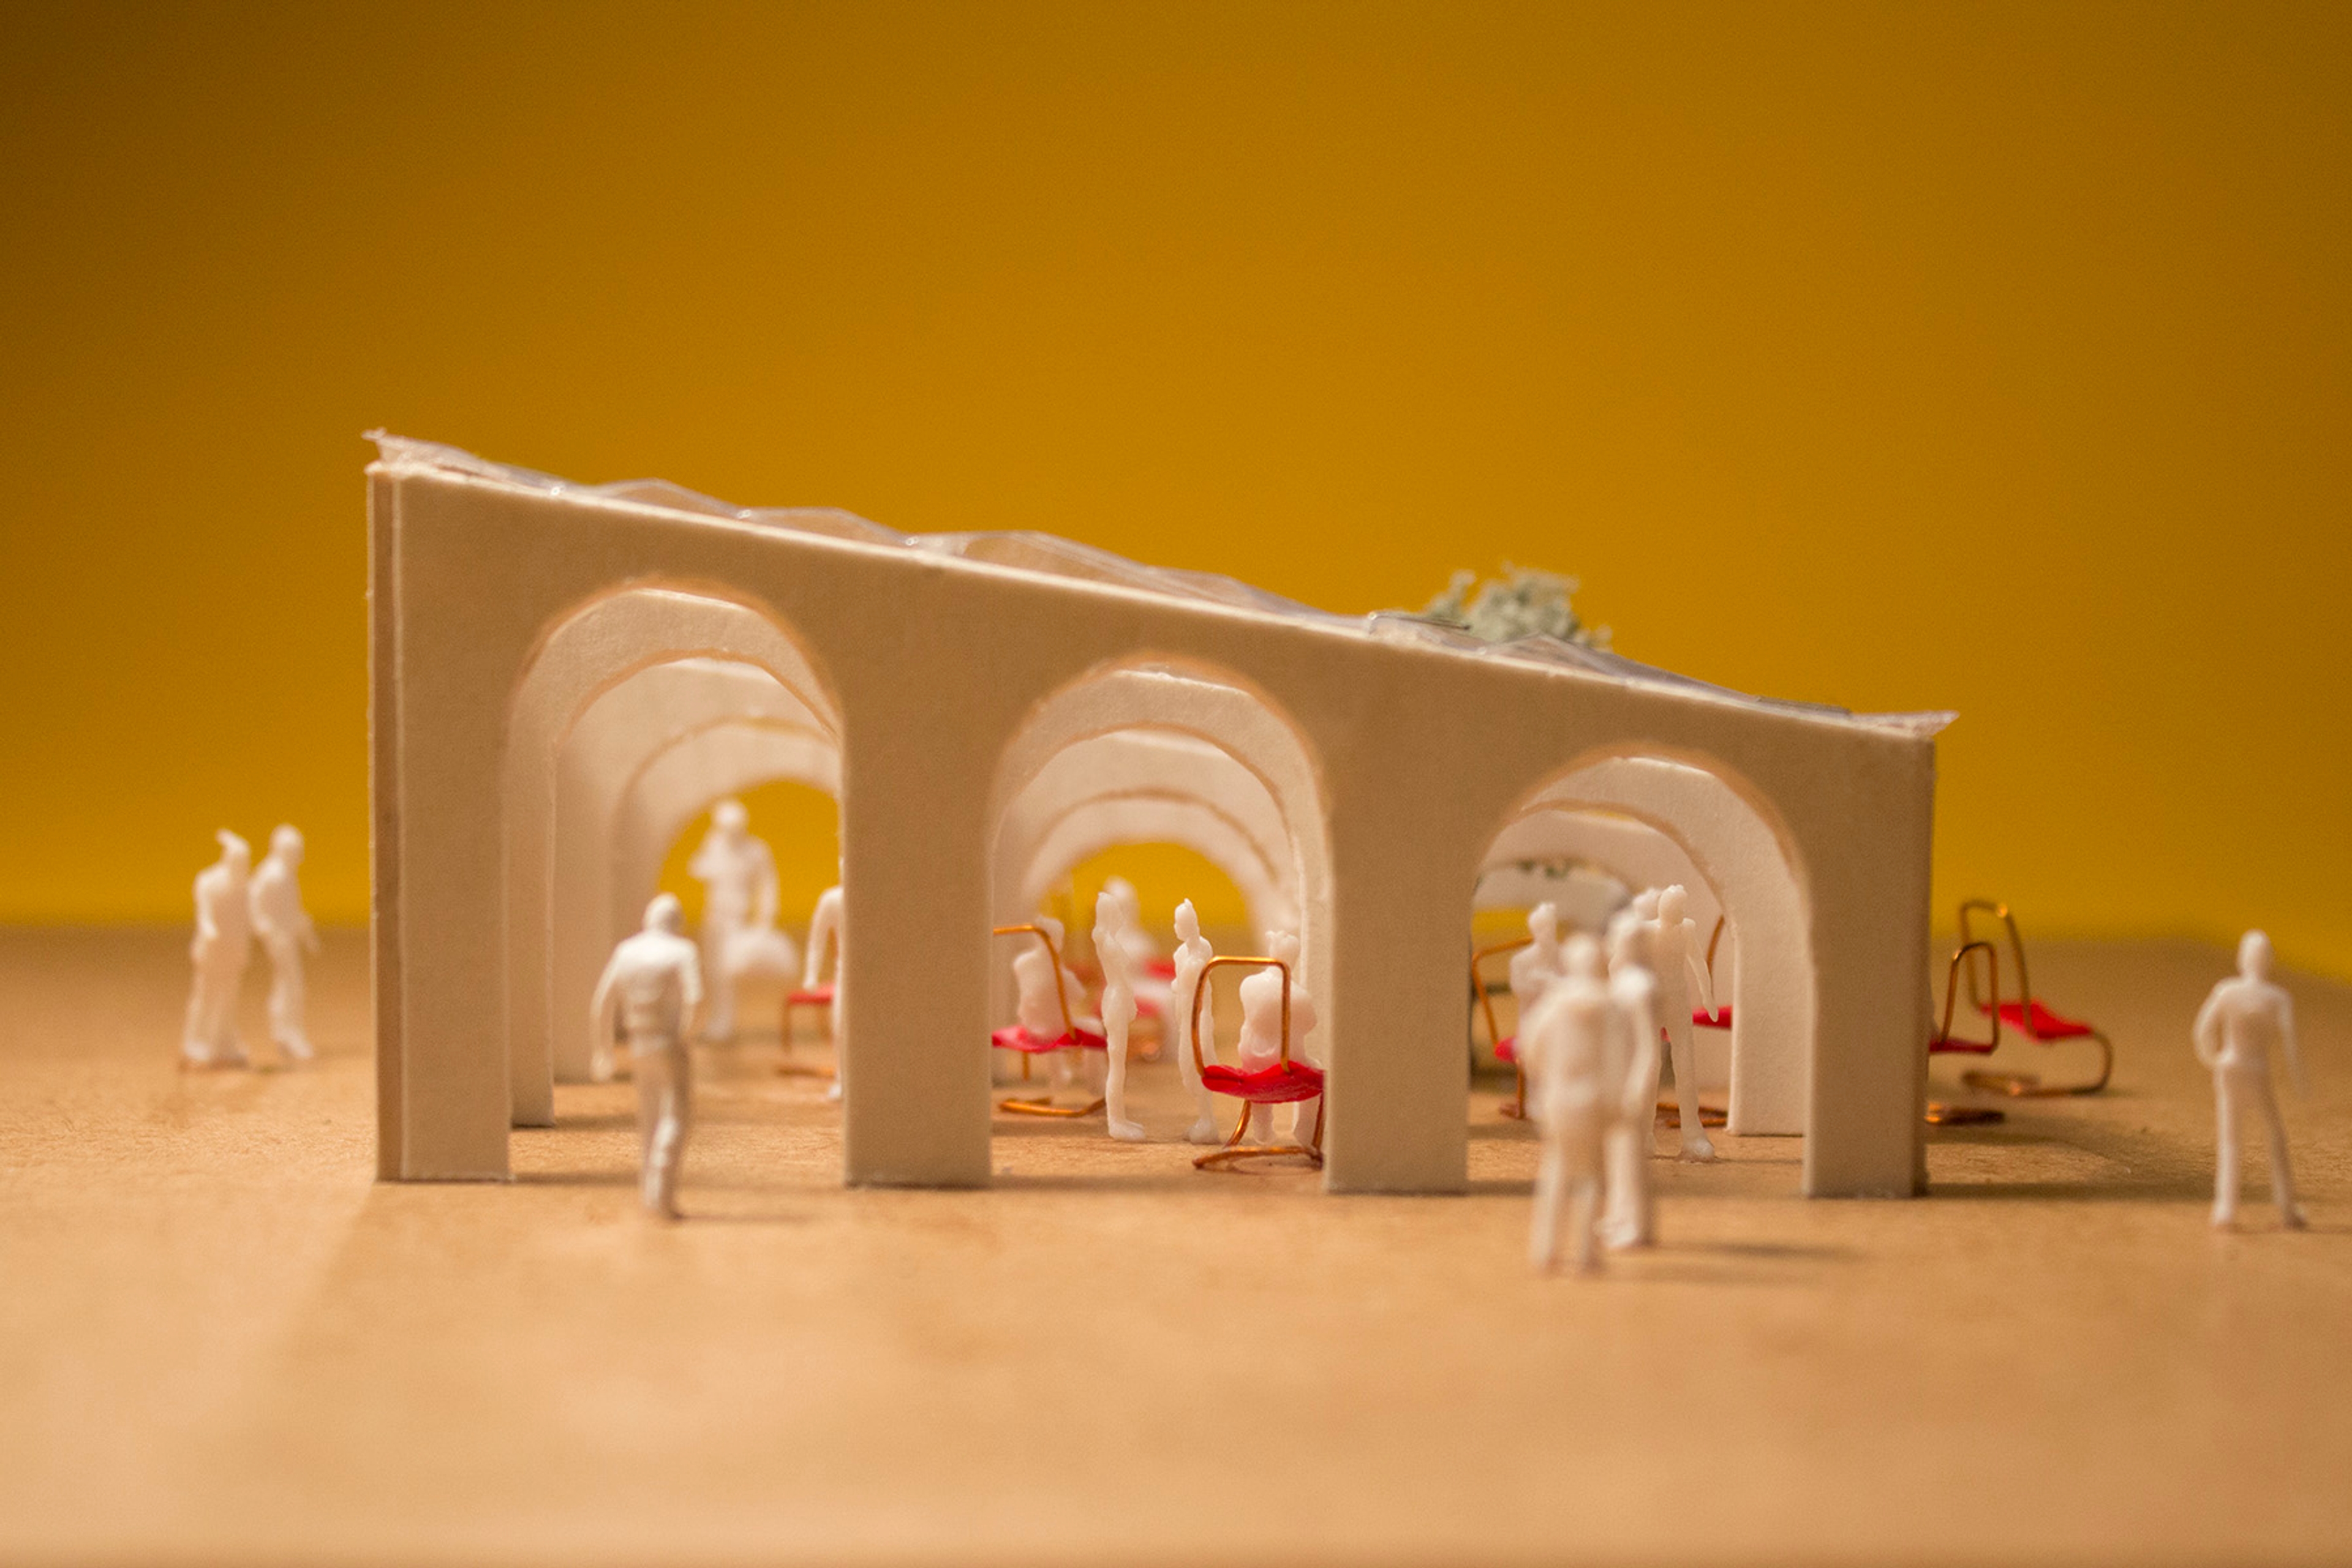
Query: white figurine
point(1141, 951)
point(1118, 1010)
point(1632, 1216)
point(658, 980)
point(824, 926)
point(1535, 966)
point(223, 940)
point(1260, 1038)
point(1565, 1047)
point(2234, 1032)
point(1193, 955)
point(738, 873)
point(1677, 952)
point(274, 898)
point(1038, 1002)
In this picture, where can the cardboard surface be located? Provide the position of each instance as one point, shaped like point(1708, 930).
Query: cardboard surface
point(502, 606)
point(224, 1342)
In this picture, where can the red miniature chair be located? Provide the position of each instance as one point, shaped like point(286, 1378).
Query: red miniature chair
point(2029, 1017)
point(1071, 1038)
point(1505, 1046)
point(819, 997)
point(1944, 1042)
point(1284, 1083)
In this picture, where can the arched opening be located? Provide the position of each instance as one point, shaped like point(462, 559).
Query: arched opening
point(1643, 821)
point(1165, 774)
point(638, 710)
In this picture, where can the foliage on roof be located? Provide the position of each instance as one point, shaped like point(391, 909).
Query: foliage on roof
point(1522, 602)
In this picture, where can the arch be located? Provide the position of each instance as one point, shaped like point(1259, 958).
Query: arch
point(1738, 848)
point(1134, 786)
point(611, 681)
point(1190, 709)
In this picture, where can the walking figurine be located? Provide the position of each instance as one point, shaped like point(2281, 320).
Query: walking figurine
point(1113, 949)
point(273, 896)
point(222, 943)
point(658, 978)
point(2234, 1032)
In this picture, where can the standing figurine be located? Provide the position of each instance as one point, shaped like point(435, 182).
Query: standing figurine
point(658, 980)
point(1112, 950)
point(275, 900)
point(1260, 1044)
point(824, 926)
point(1536, 966)
point(224, 936)
point(1193, 955)
point(1566, 1047)
point(1631, 1218)
point(2234, 1034)
point(738, 873)
point(1676, 954)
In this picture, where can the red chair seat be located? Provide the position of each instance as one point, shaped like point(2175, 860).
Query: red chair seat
point(1165, 968)
point(2041, 1022)
point(1277, 1084)
point(1948, 1046)
point(1718, 1019)
point(811, 997)
point(1507, 1049)
point(1017, 1038)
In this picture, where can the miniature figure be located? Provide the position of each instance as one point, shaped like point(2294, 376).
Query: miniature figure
point(1112, 949)
point(1536, 966)
point(274, 899)
point(1631, 1219)
point(1037, 1003)
point(658, 978)
point(825, 927)
point(738, 873)
point(1566, 1045)
point(223, 942)
point(1193, 955)
point(1260, 1038)
point(2234, 1031)
point(1675, 953)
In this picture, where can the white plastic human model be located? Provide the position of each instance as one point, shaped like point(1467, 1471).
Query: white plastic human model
point(223, 941)
point(1118, 1011)
point(1535, 966)
point(738, 873)
point(1147, 971)
point(1260, 1038)
point(825, 927)
point(1565, 1046)
point(2242, 1019)
point(1193, 954)
point(1630, 1216)
point(1038, 1000)
point(656, 976)
point(273, 896)
point(1678, 954)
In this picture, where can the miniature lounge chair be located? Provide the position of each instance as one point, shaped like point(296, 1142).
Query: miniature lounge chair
point(1944, 1042)
point(2029, 1017)
point(1505, 1046)
point(1071, 1038)
point(1284, 1083)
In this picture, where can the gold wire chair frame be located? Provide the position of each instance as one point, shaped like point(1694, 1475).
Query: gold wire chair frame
point(1045, 1106)
point(1942, 1113)
point(1518, 1109)
point(2024, 1085)
point(1234, 1149)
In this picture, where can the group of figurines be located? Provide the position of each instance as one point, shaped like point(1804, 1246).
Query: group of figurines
point(1591, 1015)
point(237, 902)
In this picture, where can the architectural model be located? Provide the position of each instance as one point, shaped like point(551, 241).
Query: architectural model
point(563, 676)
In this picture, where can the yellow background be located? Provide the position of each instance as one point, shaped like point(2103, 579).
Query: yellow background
point(1901, 357)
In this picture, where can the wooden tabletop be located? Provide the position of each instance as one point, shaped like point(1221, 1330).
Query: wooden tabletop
point(224, 1342)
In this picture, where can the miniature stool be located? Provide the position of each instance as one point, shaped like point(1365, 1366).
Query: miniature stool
point(1284, 1083)
point(1944, 1042)
point(817, 996)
